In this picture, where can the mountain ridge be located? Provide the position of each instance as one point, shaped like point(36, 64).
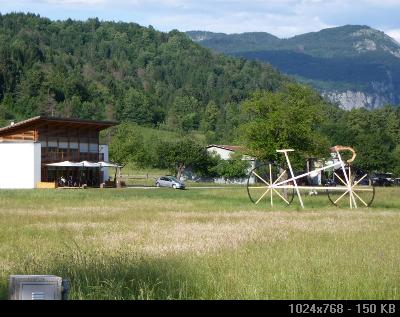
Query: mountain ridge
point(329, 36)
point(358, 59)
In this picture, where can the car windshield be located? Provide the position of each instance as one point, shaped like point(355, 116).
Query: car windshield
point(173, 179)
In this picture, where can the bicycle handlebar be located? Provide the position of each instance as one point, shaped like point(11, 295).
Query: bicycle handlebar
point(338, 148)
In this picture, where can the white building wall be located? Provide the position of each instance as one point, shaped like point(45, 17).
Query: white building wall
point(226, 155)
point(20, 165)
point(37, 171)
point(104, 150)
point(223, 153)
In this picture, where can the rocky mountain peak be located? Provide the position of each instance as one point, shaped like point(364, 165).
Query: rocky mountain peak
point(367, 39)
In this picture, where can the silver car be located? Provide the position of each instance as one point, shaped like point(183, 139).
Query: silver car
point(169, 181)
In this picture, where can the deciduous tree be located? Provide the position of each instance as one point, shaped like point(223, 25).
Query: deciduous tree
point(288, 118)
point(182, 154)
point(126, 144)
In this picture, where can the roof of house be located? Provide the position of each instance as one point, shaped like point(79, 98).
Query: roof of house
point(39, 120)
point(232, 148)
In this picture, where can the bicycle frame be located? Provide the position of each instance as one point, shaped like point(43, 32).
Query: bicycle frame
point(347, 188)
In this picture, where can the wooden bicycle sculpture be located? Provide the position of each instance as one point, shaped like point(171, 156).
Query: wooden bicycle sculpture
point(347, 186)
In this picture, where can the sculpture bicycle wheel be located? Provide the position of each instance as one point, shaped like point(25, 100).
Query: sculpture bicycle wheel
point(360, 192)
point(260, 185)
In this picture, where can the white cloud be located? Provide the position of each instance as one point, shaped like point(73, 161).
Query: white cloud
point(395, 34)
point(271, 16)
point(283, 18)
point(386, 3)
point(76, 2)
point(279, 25)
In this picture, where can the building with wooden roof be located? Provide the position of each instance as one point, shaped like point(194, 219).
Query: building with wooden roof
point(28, 146)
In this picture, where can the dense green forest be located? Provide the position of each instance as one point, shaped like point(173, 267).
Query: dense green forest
point(121, 71)
point(353, 71)
point(143, 77)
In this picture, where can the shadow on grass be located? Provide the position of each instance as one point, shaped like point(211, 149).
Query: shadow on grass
point(99, 276)
point(4, 288)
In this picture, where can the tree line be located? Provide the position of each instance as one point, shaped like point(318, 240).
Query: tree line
point(139, 76)
point(177, 154)
point(294, 116)
point(297, 117)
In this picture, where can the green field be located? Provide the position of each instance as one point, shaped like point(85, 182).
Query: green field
point(200, 244)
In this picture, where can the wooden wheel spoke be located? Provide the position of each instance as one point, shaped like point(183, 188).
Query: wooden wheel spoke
point(344, 183)
point(366, 205)
point(279, 177)
point(363, 189)
point(281, 196)
point(267, 176)
point(262, 196)
point(354, 200)
point(360, 180)
point(260, 178)
point(341, 197)
point(360, 195)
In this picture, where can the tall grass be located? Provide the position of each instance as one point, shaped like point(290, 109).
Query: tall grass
point(202, 244)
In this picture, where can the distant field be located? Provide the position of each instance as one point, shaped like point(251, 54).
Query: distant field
point(200, 243)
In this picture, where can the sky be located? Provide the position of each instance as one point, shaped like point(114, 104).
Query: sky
point(282, 18)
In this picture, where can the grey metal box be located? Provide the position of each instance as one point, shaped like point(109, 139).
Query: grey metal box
point(35, 287)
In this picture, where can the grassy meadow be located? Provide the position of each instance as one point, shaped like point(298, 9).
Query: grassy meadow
point(201, 244)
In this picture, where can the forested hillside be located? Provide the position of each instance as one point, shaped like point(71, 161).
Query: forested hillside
point(133, 74)
point(121, 71)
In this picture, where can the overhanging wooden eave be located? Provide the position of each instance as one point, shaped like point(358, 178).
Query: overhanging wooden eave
point(36, 122)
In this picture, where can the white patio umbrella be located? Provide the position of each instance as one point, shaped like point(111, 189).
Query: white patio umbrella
point(117, 168)
point(66, 164)
point(89, 164)
point(107, 164)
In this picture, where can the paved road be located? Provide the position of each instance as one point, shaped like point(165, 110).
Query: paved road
point(194, 187)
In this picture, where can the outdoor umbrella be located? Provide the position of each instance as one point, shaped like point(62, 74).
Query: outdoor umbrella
point(89, 164)
point(66, 164)
point(107, 164)
point(116, 166)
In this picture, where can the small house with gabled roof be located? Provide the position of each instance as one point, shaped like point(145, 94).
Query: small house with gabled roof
point(225, 152)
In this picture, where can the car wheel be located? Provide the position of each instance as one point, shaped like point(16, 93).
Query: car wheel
point(173, 186)
point(158, 184)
